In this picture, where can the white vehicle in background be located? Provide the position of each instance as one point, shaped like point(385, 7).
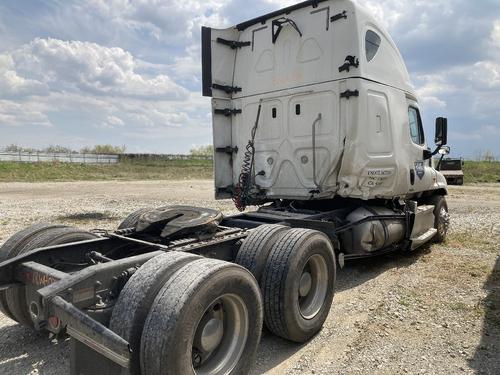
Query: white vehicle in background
point(315, 121)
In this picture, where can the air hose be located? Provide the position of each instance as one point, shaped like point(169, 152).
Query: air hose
point(241, 193)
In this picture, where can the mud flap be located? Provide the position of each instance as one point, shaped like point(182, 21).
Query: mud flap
point(86, 361)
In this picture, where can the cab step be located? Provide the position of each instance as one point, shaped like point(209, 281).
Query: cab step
point(423, 227)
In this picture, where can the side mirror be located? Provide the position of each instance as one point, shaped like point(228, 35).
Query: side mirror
point(444, 150)
point(441, 137)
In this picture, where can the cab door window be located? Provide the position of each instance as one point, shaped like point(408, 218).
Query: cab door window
point(416, 129)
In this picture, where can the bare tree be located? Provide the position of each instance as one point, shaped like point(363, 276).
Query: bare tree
point(206, 150)
point(488, 156)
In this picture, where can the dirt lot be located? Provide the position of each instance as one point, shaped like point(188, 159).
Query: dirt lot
point(435, 311)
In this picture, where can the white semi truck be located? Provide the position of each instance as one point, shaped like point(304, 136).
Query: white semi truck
point(316, 123)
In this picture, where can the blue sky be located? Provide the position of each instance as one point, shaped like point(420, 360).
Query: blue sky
point(124, 72)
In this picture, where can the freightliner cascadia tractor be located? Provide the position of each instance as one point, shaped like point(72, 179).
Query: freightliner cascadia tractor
point(317, 130)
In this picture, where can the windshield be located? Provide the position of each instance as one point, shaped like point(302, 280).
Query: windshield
point(449, 165)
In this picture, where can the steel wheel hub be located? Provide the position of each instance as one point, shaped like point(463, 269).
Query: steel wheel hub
point(211, 335)
point(313, 286)
point(220, 336)
point(305, 284)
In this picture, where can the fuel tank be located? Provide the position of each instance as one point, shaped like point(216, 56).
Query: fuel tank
point(372, 235)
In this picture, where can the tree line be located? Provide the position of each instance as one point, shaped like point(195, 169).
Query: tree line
point(480, 155)
point(58, 149)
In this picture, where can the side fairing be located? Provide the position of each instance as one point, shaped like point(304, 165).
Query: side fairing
point(218, 61)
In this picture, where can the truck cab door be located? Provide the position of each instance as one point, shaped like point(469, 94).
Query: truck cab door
point(421, 174)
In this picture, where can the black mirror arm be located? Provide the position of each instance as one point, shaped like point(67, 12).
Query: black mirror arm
point(428, 154)
point(439, 162)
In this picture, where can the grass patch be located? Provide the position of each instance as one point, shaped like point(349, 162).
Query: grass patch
point(407, 297)
point(476, 310)
point(481, 171)
point(472, 241)
point(457, 269)
point(142, 169)
point(157, 169)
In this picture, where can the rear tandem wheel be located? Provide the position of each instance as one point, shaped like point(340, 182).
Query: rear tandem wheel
point(132, 307)
point(298, 284)
point(41, 236)
point(206, 320)
point(13, 247)
point(255, 249)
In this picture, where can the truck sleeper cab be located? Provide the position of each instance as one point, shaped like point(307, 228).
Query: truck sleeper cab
point(315, 120)
point(337, 110)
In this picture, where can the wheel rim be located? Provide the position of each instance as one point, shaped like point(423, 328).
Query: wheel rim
point(313, 286)
point(220, 336)
point(443, 221)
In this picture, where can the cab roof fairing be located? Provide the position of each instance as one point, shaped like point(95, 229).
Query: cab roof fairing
point(387, 66)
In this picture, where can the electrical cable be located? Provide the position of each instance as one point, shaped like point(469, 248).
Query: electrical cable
point(242, 189)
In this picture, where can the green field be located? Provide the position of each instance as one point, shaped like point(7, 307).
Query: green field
point(144, 169)
point(481, 171)
point(126, 170)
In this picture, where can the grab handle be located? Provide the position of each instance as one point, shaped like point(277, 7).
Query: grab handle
point(314, 149)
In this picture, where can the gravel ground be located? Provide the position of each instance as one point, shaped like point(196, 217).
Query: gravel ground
point(434, 311)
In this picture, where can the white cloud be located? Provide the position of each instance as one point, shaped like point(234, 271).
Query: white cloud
point(112, 122)
point(387, 12)
point(432, 89)
point(495, 34)
point(485, 75)
point(281, 3)
point(77, 66)
point(13, 85)
point(107, 88)
point(176, 22)
point(476, 84)
point(22, 113)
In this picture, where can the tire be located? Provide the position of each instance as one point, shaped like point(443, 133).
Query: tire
point(16, 298)
point(255, 249)
point(441, 217)
point(132, 307)
point(220, 296)
point(301, 262)
point(13, 247)
point(132, 219)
